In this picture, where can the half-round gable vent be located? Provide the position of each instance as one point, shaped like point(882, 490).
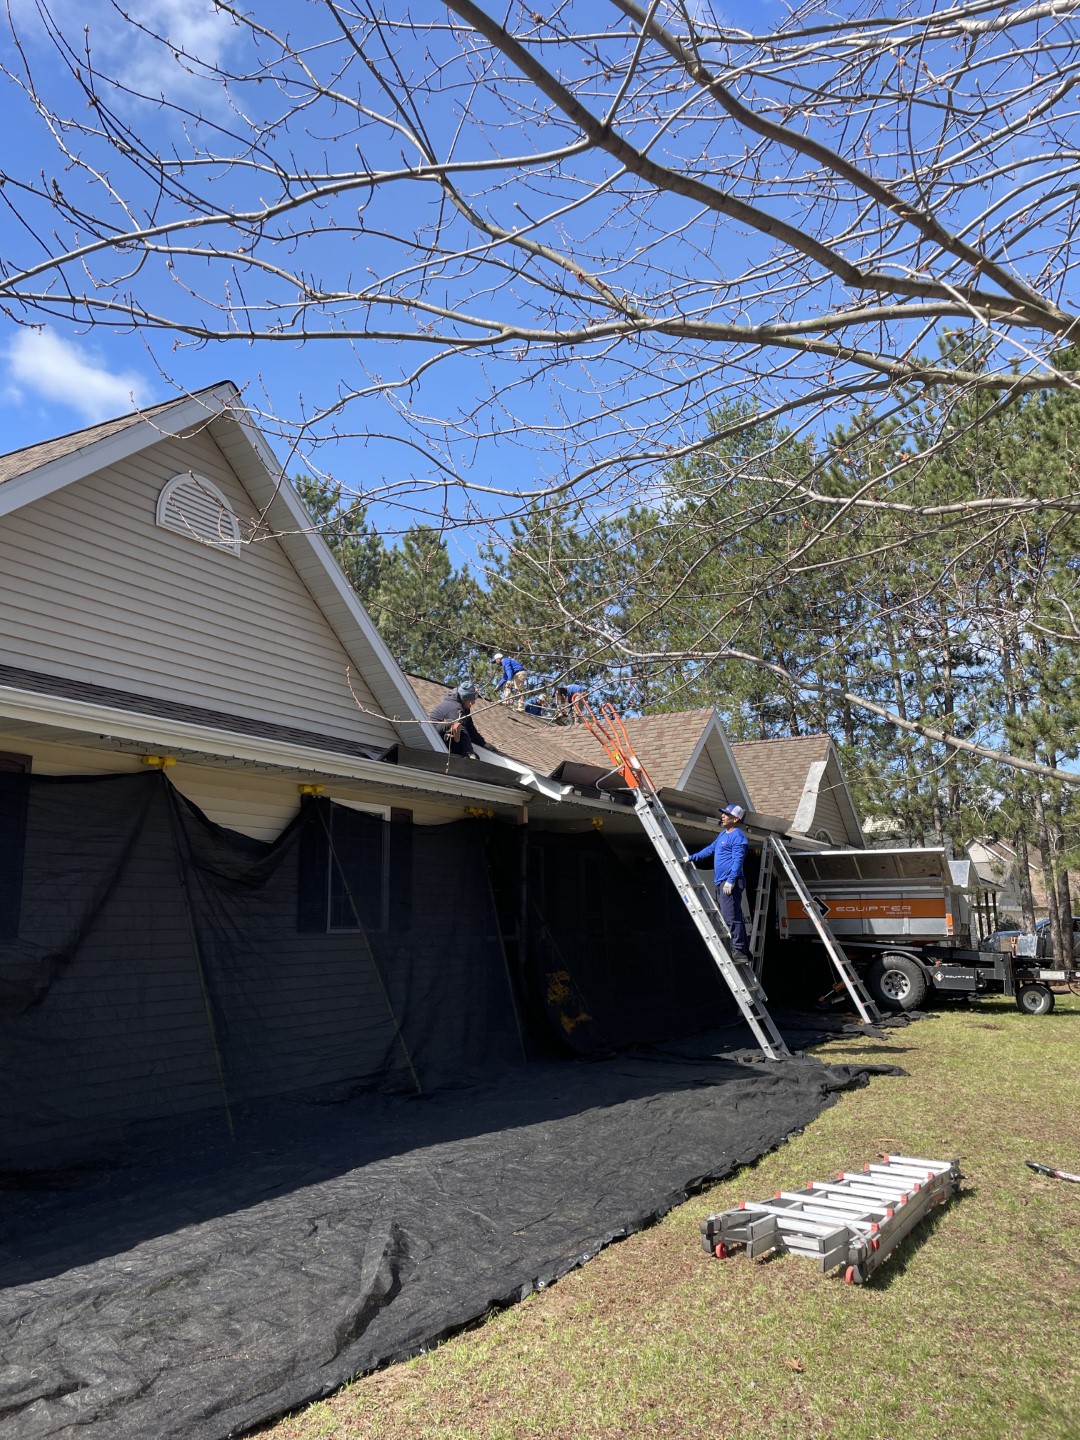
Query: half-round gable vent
point(196, 508)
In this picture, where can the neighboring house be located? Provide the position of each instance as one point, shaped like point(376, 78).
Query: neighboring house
point(997, 862)
point(800, 782)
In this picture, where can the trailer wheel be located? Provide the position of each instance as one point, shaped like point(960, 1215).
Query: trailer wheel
point(896, 982)
point(1034, 999)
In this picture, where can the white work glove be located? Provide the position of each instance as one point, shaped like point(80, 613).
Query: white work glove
point(728, 887)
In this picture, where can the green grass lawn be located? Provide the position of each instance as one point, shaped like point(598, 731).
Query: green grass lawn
point(971, 1328)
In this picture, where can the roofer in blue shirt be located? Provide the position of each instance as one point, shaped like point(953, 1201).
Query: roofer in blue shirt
point(729, 857)
point(512, 686)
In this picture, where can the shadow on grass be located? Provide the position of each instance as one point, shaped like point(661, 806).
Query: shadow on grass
point(895, 1267)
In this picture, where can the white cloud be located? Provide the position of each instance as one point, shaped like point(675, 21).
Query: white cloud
point(156, 56)
point(190, 29)
point(69, 374)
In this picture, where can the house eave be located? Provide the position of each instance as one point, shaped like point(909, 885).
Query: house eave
point(159, 735)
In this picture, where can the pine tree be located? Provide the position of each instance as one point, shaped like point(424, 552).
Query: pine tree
point(425, 609)
point(343, 524)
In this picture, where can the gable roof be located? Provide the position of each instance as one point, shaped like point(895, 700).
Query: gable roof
point(38, 470)
point(788, 777)
point(776, 771)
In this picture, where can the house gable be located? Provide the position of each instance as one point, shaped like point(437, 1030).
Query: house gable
point(800, 780)
point(711, 774)
point(97, 593)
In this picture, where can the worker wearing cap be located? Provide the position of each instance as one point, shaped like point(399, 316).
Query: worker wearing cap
point(729, 858)
point(512, 685)
point(452, 720)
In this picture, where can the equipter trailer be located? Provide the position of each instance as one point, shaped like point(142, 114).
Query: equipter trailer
point(911, 922)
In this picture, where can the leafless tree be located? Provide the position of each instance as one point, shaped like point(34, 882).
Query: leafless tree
point(546, 243)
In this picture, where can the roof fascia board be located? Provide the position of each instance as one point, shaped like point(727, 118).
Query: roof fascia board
point(55, 474)
point(278, 492)
point(157, 733)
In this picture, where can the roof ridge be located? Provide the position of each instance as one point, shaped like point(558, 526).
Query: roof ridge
point(786, 739)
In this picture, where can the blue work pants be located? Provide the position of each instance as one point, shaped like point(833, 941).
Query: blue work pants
point(731, 910)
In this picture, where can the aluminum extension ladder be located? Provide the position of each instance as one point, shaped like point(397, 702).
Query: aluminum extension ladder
point(853, 1222)
point(761, 909)
point(868, 1011)
point(696, 894)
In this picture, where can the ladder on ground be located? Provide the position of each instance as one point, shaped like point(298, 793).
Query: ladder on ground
point(853, 1222)
point(849, 976)
point(697, 896)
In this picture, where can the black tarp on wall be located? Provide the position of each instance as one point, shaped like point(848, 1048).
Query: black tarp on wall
point(162, 965)
point(612, 953)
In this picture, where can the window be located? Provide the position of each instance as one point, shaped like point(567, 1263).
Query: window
point(358, 876)
point(14, 792)
point(195, 507)
point(354, 868)
point(824, 836)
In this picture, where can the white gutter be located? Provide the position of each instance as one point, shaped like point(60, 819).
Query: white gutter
point(550, 789)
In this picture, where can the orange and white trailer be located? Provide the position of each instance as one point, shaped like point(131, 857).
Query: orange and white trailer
point(911, 921)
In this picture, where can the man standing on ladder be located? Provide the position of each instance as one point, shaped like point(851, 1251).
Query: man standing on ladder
point(729, 858)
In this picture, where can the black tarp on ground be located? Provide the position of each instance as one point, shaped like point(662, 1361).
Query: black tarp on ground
point(205, 1271)
point(223, 1282)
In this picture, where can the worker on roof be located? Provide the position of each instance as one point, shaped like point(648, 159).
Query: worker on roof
point(564, 703)
point(454, 723)
point(512, 686)
point(729, 858)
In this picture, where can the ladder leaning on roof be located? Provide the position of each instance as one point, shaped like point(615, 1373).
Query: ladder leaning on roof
point(849, 976)
point(696, 894)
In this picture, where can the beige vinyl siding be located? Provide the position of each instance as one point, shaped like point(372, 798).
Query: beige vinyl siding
point(92, 589)
point(828, 815)
point(256, 803)
point(704, 784)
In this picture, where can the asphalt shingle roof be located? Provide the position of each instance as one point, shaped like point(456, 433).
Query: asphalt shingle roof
point(540, 744)
point(775, 771)
point(664, 743)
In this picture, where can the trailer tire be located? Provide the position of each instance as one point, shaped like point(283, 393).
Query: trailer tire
point(896, 982)
point(1034, 999)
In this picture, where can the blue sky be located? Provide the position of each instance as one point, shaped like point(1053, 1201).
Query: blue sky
point(62, 376)
point(58, 378)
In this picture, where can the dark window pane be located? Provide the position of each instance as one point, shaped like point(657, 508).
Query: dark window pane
point(358, 873)
point(13, 799)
